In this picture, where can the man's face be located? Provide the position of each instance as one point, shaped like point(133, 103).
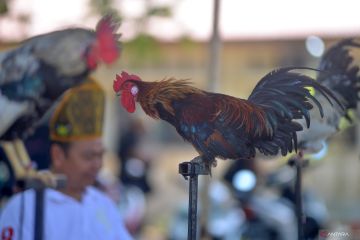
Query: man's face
point(80, 163)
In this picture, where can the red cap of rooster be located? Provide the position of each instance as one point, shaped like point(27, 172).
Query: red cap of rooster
point(129, 90)
point(106, 47)
point(121, 79)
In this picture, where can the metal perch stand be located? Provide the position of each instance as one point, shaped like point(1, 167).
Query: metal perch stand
point(40, 190)
point(192, 169)
point(298, 162)
point(39, 213)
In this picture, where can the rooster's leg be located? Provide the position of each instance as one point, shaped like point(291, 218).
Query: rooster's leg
point(47, 178)
point(16, 163)
point(21, 164)
point(204, 164)
point(22, 153)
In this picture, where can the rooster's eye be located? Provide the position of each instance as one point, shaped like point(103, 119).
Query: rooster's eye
point(134, 90)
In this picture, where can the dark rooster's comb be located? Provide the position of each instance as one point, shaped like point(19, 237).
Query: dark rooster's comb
point(121, 79)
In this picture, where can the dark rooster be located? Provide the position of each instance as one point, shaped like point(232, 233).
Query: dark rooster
point(341, 75)
point(223, 126)
point(38, 72)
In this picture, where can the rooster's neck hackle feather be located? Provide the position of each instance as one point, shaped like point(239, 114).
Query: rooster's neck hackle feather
point(164, 92)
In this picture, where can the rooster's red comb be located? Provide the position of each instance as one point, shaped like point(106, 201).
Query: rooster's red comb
point(107, 39)
point(121, 79)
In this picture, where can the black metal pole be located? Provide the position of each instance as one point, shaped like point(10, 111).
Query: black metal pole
point(39, 214)
point(192, 211)
point(193, 169)
point(39, 187)
point(298, 199)
point(298, 163)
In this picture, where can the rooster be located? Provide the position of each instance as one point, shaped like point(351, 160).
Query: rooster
point(339, 74)
point(226, 127)
point(34, 75)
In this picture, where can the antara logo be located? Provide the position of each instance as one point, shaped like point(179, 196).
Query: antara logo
point(325, 234)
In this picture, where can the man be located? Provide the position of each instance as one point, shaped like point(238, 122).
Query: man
point(78, 211)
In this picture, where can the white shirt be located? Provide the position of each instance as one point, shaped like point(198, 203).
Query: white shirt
point(95, 217)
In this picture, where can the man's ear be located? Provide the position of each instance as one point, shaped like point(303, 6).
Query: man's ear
point(57, 156)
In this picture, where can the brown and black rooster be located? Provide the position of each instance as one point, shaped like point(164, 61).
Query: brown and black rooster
point(227, 127)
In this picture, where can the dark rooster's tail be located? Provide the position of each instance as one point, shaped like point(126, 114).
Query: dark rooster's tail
point(339, 74)
point(284, 97)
